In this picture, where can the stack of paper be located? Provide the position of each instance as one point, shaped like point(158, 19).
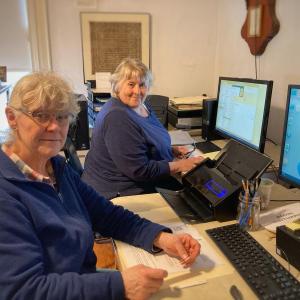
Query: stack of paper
point(187, 103)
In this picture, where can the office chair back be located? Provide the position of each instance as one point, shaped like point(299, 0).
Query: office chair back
point(72, 157)
point(159, 104)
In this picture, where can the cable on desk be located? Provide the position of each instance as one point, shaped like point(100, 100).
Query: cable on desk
point(275, 171)
point(188, 154)
point(273, 142)
point(286, 257)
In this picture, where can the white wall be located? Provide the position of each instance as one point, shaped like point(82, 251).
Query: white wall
point(280, 62)
point(15, 48)
point(193, 43)
point(183, 41)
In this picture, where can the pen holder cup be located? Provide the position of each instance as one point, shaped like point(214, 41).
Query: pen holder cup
point(248, 212)
point(264, 190)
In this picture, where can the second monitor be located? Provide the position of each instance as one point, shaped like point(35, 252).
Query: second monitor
point(243, 110)
point(289, 167)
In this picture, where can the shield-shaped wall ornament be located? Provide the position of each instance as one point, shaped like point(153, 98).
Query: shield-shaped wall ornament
point(261, 25)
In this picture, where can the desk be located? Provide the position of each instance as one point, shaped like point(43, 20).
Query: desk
point(216, 287)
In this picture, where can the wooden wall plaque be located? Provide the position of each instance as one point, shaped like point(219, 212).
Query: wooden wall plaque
point(261, 25)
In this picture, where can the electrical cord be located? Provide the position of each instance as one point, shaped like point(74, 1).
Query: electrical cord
point(275, 171)
point(188, 154)
point(286, 258)
point(273, 142)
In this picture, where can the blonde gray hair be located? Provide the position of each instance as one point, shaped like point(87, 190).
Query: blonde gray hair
point(43, 91)
point(130, 68)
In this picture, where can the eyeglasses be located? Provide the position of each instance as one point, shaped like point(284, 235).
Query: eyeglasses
point(44, 118)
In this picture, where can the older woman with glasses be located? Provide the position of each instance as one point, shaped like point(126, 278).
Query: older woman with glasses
point(48, 215)
point(131, 151)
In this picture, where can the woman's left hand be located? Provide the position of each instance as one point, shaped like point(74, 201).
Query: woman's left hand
point(183, 246)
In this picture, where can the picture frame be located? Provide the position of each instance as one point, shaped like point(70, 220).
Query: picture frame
point(107, 38)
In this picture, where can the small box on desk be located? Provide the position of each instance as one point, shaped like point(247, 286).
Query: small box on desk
point(288, 245)
point(185, 118)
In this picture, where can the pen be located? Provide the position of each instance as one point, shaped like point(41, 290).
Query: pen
point(236, 293)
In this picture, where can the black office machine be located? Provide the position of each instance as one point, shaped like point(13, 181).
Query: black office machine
point(211, 189)
point(288, 244)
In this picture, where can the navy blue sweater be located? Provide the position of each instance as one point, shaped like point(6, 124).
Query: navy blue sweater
point(46, 236)
point(129, 153)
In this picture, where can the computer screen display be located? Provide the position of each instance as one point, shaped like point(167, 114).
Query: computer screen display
point(289, 167)
point(4, 127)
point(243, 110)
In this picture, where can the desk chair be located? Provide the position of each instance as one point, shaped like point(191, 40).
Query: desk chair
point(71, 156)
point(159, 104)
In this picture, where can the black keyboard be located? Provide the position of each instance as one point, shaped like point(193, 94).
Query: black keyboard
point(267, 277)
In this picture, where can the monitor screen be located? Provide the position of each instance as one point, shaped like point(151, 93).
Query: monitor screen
point(289, 167)
point(4, 127)
point(243, 110)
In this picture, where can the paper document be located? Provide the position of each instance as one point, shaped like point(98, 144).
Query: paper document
point(180, 137)
point(181, 102)
point(103, 82)
point(280, 216)
point(207, 260)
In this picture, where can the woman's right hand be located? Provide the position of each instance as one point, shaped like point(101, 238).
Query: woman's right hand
point(184, 165)
point(141, 282)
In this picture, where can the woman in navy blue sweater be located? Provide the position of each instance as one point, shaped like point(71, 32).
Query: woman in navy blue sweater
point(130, 149)
point(48, 214)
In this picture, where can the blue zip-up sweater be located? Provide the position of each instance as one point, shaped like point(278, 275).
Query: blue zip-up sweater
point(129, 154)
point(46, 236)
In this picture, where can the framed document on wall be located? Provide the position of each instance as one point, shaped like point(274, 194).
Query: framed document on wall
point(107, 38)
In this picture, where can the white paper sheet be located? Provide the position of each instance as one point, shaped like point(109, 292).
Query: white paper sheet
point(103, 82)
point(280, 216)
point(180, 137)
point(207, 260)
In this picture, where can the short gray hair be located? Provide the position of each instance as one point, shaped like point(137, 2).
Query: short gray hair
point(42, 91)
point(45, 91)
point(130, 68)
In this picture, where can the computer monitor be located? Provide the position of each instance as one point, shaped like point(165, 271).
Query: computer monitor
point(289, 166)
point(243, 110)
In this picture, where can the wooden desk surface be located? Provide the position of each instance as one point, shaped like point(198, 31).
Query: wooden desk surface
point(217, 287)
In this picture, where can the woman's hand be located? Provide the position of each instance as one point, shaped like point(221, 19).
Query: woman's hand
point(141, 282)
point(184, 165)
point(183, 246)
point(180, 151)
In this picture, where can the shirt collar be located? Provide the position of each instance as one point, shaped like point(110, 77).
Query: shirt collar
point(27, 171)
